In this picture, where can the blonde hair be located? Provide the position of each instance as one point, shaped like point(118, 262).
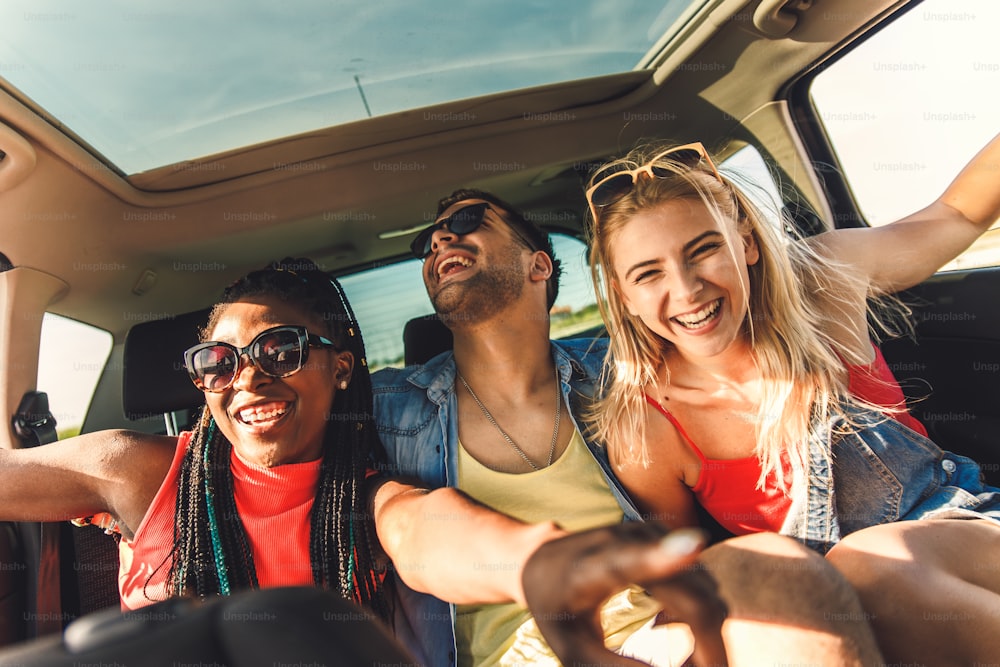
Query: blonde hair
point(802, 366)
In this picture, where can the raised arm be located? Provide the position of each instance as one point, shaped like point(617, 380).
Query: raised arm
point(923, 242)
point(444, 543)
point(109, 471)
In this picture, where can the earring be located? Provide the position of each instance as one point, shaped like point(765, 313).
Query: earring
point(343, 385)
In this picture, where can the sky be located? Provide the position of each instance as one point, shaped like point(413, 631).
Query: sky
point(903, 113)
point(164, 82)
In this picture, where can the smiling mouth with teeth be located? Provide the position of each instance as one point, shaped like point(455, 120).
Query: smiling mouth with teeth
point(453, 263)
point(262, 413)
point(699, 319)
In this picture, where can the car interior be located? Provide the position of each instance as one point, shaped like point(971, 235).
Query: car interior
point(139, 177)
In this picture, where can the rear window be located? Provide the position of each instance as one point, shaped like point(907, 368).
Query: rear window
point(387, 297)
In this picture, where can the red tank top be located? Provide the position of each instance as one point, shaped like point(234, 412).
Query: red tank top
point(726, 488)
point(277, 525)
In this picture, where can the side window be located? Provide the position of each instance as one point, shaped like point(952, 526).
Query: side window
point(71, 359)
point(387, 297)
point(748, 170)
point(906, 109)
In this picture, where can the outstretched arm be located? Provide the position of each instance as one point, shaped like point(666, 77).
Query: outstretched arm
point(444, 543)
point(923, 242)
point(108, 471)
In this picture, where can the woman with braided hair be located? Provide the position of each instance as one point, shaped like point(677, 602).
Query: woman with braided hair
point(269, 489)
point(244, 421)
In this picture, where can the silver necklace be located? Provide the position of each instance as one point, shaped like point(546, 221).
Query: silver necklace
point(513, 445)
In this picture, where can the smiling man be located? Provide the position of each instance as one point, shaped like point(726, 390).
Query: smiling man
point(496, 418)
point(463, 213)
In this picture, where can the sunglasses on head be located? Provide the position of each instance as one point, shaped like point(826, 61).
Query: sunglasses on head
point(277, 352)
point(611, 188)
point(463, 221)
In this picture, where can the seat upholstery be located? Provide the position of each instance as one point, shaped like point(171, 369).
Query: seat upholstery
point(424, 338)
point(13, 585)
point(154, 379)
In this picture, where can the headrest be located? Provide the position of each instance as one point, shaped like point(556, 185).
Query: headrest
point(155, 381)
point(424, 338)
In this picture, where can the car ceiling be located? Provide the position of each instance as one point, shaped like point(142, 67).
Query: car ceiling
point(132, 243)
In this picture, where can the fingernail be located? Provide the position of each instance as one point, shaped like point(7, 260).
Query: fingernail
point(682, 542)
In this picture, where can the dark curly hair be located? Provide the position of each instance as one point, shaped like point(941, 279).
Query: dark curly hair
point(214, 557)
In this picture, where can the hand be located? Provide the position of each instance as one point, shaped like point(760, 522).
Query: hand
point(567, 580)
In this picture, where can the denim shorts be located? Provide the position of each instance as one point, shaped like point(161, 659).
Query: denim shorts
point(869, 470)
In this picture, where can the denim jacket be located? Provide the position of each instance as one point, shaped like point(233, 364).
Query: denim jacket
point(874, 470)
point(415, 409)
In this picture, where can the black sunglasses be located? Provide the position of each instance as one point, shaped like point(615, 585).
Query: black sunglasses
point(277, 352)
point(463, 221)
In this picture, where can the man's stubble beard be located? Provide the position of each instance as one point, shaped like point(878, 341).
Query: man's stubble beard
point(482, 296)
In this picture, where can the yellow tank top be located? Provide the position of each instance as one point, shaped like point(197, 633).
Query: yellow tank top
point(573, 493)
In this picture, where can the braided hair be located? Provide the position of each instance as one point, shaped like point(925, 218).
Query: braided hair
point(212, 553)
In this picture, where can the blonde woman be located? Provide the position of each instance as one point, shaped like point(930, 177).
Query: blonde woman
point(744, 379)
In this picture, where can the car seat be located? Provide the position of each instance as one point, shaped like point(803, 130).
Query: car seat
point(424, 338)
point(154, 380)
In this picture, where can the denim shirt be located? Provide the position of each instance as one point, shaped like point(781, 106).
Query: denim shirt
point(874, 470)
point(415, 411)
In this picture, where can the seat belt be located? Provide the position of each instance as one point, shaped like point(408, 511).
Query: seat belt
point(35, 426)
point(33, 423)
